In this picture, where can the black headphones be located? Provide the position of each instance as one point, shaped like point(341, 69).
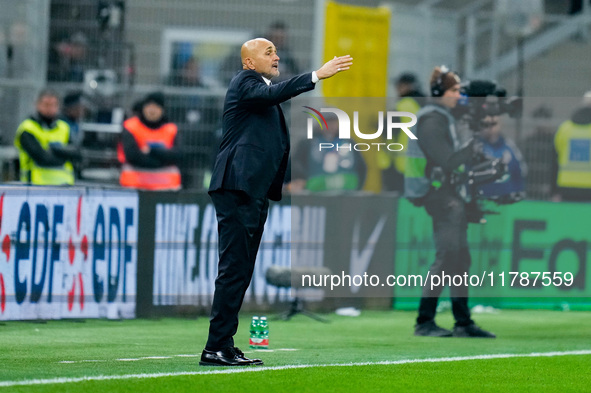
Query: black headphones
point(437, 89)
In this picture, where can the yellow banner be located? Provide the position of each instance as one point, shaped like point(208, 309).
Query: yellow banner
point(363, 33)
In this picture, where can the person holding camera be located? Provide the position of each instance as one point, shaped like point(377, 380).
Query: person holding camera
point(432, 160)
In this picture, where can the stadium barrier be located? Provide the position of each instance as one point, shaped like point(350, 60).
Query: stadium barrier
point(178, 236)
point(518, 242)
point(67, 253)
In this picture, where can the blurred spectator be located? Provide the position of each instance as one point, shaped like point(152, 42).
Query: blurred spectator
point(327, 169)
point(74, 111)
point(71, 59)
point(278, 34)
point(408, 89)
point(230, 65)
point(510, 188)
point(407, 86)
point(187, 107)
point(187, 74)
point(148, 149)
point(44, 157)
point(572, 144)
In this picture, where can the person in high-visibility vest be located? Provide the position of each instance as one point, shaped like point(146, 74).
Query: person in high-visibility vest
point(411, 98)
point(572, 143)
point(334, 169)
point(41, 140)
point(148, 149)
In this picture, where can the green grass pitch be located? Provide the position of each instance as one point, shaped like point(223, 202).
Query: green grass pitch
point(322, 354)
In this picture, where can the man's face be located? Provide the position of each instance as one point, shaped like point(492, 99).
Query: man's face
point(491, 128)
point(77, 111)
point(451, 96)
point(48, 106)
point(264, 59)
point(152, 111)
point(403, 88)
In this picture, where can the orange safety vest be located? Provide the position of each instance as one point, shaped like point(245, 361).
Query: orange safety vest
point(165, 178)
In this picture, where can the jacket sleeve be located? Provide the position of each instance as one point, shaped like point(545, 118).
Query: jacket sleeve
point(134, 155)
point(433, 138)
point(42, 157)
point(171, 156)
point(254, 92)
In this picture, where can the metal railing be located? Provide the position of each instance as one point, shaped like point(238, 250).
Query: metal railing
point(486, 52)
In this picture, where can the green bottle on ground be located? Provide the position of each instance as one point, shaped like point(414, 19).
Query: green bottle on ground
point(264, 333)
point(255, 336)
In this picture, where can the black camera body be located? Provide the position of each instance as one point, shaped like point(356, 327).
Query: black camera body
point(482, 98)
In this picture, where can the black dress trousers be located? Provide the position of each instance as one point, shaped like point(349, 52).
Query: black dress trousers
point(450, 233)
point(241, 220)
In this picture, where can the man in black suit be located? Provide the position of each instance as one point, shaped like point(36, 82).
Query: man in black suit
point(249, 170)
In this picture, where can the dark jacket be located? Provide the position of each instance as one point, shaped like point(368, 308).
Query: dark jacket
point(254, 151)
point(434, 138)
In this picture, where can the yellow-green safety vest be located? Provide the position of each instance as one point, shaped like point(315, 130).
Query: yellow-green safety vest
point(32, 173)
point(398, 159)
point(406, 104)
point(573, 147)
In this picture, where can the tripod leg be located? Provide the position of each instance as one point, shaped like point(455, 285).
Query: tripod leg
point(314, 316)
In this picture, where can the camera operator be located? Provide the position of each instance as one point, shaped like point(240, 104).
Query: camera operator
point(431, 161)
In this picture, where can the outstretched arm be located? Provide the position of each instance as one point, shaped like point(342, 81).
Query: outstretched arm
point(255, 92)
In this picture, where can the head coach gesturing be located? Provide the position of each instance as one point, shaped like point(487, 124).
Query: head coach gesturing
point(249, 170)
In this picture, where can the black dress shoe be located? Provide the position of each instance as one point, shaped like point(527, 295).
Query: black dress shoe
point(230, 356)
point(430, 329)
point(472, 330)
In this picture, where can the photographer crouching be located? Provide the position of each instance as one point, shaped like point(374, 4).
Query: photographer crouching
point(432, 161)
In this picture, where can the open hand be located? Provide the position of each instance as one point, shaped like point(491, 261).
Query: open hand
point(334, 66)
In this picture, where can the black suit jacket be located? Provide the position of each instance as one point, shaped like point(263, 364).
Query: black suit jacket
point(254, 151)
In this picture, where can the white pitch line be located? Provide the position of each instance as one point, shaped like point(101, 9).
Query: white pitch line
point(163, 357)
point(126, 359)
point(289, 367)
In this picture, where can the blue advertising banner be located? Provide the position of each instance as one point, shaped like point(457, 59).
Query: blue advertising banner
point(67, 253)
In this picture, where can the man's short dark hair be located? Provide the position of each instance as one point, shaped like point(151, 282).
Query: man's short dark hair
point(72, 99)
point(47, 92)
point(406, 78)
point(278, 25)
